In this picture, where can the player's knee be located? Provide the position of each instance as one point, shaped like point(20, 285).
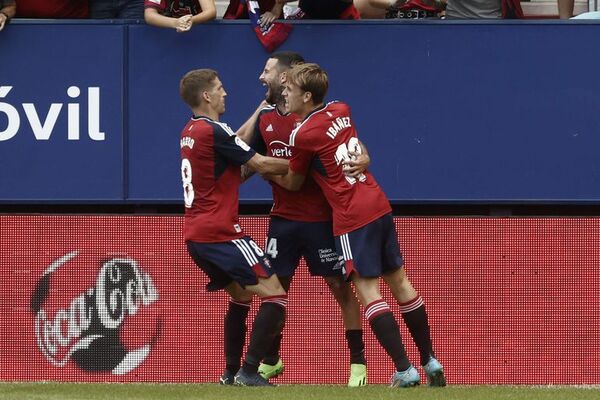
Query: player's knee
point(397, 278)
point(272, 287)
point(340, 289)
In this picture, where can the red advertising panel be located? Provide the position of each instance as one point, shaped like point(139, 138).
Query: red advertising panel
point(117, 298)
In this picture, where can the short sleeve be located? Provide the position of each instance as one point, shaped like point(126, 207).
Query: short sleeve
point(227, 144)
point(158, 4)
point(300, 161)
point(302, 152)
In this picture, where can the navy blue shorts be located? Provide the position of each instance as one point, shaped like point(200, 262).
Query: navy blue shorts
point(371, 250)
point(240, 260)
point(288, 240)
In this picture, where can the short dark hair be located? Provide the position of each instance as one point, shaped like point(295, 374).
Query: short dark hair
point(287, 59)
point(310, 78)
point(195, 82)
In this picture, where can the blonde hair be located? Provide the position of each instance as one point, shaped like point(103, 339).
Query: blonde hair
point(310, 78)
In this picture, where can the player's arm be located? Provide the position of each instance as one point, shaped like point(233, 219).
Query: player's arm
point(249, 132)
point(290, 181)
point(359, 161)
point(299, 168)
point(268, 165)
point(246, 173)
point(237, 152)
point(246, 131)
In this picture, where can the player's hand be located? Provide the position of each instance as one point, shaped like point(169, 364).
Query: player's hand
point(356, 165)
point(266, 19)
point(184, 23)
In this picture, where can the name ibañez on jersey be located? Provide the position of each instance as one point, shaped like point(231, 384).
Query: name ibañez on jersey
point(337, 125)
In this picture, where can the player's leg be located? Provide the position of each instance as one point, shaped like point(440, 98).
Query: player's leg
point(283, 251)
point(207, 257)
point(268, 323)
point(272, 364)
point(350, 308)
point(322, 259)
point(235, 329)
point(411, 304)
point(270, 318)
point(243, 262)
point(415, 317)
point(361, 250)
point(386, 329)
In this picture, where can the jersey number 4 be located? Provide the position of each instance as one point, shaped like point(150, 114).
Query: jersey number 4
point(342, 154)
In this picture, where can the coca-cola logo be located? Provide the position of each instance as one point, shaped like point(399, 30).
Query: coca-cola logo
point(90, 327)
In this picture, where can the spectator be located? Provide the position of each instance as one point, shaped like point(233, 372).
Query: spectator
point(328, 9)
point(7, 11)
point(308, 9)
point(565, 8)
point(180, 15)
point(317, 9)
point(270, 10)
point(373, 9)
point(123, 9)
point(474, 9)
point(403, 9)
point(52, 9)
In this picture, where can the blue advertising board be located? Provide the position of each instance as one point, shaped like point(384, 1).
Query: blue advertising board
point(61, 113)
point(477, 112)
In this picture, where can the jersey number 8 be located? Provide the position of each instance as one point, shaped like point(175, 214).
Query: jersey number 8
point(186, 177)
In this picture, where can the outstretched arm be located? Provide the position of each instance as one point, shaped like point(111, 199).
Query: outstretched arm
point(246, 172)
point(268, 165)
point(290, 181)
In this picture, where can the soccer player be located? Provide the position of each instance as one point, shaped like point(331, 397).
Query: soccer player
point(362, 221)
point(300, 223)
point(211, 156)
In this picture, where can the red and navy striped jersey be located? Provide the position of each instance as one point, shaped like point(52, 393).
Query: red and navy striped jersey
point(271, 137)
point(325, 137)
point(211, 156)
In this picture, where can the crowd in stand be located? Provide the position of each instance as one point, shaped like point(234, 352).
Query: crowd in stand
point(181, 15)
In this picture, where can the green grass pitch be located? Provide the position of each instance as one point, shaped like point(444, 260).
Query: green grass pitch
point(85, 391)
